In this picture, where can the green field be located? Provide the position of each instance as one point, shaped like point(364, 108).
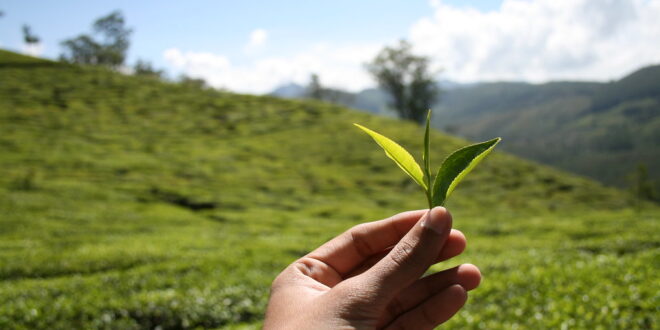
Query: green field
point(127, 202)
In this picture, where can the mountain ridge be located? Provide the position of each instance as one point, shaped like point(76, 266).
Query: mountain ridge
point(521, 111)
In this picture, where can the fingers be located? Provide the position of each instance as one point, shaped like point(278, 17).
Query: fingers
point(409, 258)
point(454, 246)
point(467, 276)
point(434, 311)
point(353, 247)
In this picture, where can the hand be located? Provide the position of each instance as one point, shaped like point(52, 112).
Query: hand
point(369, 277)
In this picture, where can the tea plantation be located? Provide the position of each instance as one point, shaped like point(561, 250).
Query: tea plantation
point(127, 202)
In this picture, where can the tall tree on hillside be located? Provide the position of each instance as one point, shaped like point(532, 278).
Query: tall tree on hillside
point(198, 83)
point(28, 37)
point(408, 80)
point(641, 185)
point(145, 68)
point(109, 49)
point(314, 89)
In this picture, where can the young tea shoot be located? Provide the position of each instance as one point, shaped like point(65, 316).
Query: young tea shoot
point(452, 171)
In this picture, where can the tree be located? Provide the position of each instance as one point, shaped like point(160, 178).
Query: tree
point(198, 83)
point(641, 185)
point(314, 89)
point(110, 50)
point(28, 37)
point(407, 79)
point(144, 68)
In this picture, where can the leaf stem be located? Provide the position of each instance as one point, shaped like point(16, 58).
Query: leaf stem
point(429, 198)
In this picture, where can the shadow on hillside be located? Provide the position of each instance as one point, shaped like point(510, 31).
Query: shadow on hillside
point(28, 65)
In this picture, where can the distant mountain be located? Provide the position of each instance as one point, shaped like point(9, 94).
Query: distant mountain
point(600, 130)
point(289, 91)
point(372, 100)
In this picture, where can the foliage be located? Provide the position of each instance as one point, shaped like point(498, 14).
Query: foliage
point(599, 130)
point(314, 89)
point(407, 79)
point(28, 37)
point(455, 167)
point(640, 84)
point(145, 68)
point(452, 171)
point(129, 202)
point(197, 83)
point(641, 186)
point(110, 50)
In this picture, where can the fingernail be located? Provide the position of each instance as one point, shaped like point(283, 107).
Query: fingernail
point(436, 223)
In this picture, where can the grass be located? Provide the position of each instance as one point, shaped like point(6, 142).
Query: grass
point(127, 202)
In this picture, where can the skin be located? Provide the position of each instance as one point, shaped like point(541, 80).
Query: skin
point(370, 277)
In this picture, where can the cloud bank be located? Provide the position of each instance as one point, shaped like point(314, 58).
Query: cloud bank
point(542, 40)
point(535, 41)
point(338, 66)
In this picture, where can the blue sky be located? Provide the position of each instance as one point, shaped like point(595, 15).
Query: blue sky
point(252, 46)
point(217, 26)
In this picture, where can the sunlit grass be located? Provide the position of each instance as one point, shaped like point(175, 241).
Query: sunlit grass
point(129, 203)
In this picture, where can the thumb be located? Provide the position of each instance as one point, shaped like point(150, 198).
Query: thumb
point(409, 258)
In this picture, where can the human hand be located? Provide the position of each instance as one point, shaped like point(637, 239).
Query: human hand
point(369, 277)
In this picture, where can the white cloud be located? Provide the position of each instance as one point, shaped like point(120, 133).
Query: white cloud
point(33, 49)
point(532, 40)
point(541, 40)
point(257, 40)
point(338, 66)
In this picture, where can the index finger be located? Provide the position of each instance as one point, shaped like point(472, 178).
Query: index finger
point(348, 250)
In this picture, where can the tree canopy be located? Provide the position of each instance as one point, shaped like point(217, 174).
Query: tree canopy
point(314, 89)
point(407, 78)
point(28, 36)
point(145, 68)
point(108, 48)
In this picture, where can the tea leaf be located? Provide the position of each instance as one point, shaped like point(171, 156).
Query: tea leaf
point(457, 166)
point(399, 155)
point(426, 157)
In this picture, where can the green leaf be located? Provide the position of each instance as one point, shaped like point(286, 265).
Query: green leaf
point(426, 157)
point(399, 155)
point(457, 166)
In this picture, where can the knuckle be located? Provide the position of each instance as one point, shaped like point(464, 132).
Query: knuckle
point(284, 278)
point(403, 254)
point(356, 298)
point(428, 317)
point(358, 238)
point(304, 266)
point(395, 308)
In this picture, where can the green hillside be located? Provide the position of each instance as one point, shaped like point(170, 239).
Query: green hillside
point(600, 130)
point(127, 202)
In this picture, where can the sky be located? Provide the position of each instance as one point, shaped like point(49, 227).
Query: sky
point(254, 46)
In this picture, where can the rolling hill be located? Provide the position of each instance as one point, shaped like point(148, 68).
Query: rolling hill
point(599, 130)
point(128, 202)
